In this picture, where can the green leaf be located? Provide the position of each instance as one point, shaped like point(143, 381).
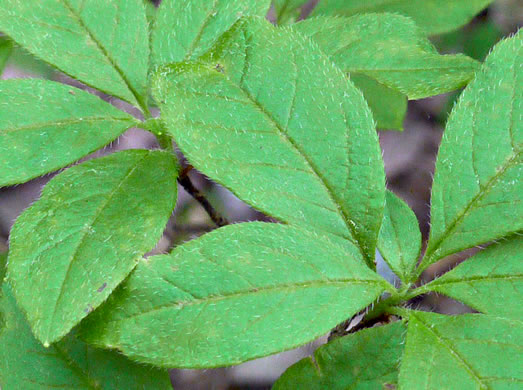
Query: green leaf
point(399, 241)
point(101, 43)
point(388, 106)
point(45, 126)
point(473, 350)
point(89, 229)
point(490, 282)
point(185, 29)
point(368, 359)
point(434, 16)
point(287, 11)
point(6, 46)
point(3, 266)
point(391, 50)
point(476, 195)
point(238, 293)
point(69, 364)
point(268, 116)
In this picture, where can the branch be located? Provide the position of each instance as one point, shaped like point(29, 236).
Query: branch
point(187, 184)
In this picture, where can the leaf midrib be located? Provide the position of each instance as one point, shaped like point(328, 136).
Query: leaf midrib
point(84, 232)
point(65, 123)
point(103, 50)
point(286, 138)
point(291, 287)
point(432, 252)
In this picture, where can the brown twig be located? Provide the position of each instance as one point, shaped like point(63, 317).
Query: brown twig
point(187, 184)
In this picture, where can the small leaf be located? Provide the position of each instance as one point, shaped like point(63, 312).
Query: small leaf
point(6, 46)
point(45, 126)
point(368, 359)
point(235, 294)
point(391, 50)
point(490, 282)
point(399, 241)
point(70, 364)
point(476, 195)
point(287, 11)
point(388, 106)
point(473, 350)
point(101, 43)
point(94, 221)
point(434, 16)
point(185, 29)
point(268, 116)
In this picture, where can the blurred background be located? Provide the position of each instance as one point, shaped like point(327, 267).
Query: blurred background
point(409, 162)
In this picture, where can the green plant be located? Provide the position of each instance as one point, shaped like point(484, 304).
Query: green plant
point(270, 113)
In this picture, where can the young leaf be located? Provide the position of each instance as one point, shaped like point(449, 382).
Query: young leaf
point(476, 195)
point(45, 126)
point(434, 16)
point(237, 293)
point(399, 241)
point(101, 43)
point(368, 359)
point(6, 46)
point(287, 11)
point(490, 282)
point(267, 115)
point(70, 249)
point(473, 350)
point(388, 106)
point(391, 50)
point(185, 29)
point(69, 364)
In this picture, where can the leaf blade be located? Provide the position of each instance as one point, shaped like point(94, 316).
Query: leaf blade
point(477, 171)
point(69, 364)
point(84, 242)
point(407, 62)
point(340, 364)
point(268, 137)
point(466, 347)
point(185, 29)
point(399, 241)
point(59, 118)
point(103, 44)
point(239, 272)
point(490, 282)
point(436, 16)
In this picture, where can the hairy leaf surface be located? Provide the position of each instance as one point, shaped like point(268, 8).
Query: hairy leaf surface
point(101, 43)
point(368, 359)
point(391, 50)
point(399, 241)
point(3, 267)
point(237, 293)
point(269, 116)
point(87, 232)
point(490, 282)
point(388, 106)
point(70, 364)
point(287, 11)
point(477, 190)
point(45, 126)
point(434, 16)
point(185, 29)
point(473, 350)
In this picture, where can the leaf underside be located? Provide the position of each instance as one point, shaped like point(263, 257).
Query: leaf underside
point(310, 156)
point(240, 292)
point(87, 232)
